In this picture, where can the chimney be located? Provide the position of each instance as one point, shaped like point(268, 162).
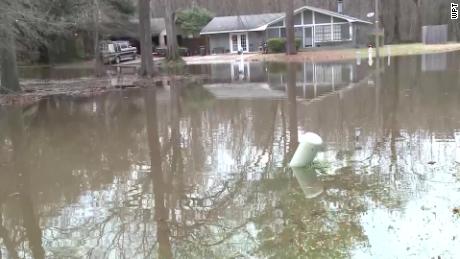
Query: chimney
point(340, 6)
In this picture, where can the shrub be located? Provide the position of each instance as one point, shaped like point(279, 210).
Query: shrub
point(298, 44)
point(278, 45)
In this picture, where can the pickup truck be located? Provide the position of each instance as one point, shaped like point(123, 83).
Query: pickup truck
point(117, 51)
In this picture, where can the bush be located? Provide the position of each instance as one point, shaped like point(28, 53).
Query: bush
point(278, 45)
point(298, 44)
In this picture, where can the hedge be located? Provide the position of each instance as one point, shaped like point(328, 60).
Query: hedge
point(278, 45)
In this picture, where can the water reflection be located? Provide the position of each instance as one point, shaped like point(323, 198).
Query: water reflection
point(308, 181)
point(179, 172)
point(270, 80)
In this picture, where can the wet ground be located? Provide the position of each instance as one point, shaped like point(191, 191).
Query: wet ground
point(198, 170)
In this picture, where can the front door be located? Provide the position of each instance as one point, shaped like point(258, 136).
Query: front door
point(238, 41)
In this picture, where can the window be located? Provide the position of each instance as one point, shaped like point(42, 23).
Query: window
point(323, 33)
point(278, 24)
point(321, 18)
point(234, 42)
point(298, 32)
point(273, 33)
point(337, 33)
point(244, 44)
point(307, 17)
point(298, 19)
point(283, 32)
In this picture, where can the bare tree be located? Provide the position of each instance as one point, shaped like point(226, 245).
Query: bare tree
point(145, 38)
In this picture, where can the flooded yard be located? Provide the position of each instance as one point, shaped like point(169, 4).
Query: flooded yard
point(199, 170)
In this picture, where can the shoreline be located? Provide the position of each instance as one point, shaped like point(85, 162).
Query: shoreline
point(33, 92)
point(324, 55)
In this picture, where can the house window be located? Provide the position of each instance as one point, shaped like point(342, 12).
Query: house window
point(298, 19)
point(323, 33)
point(278, 24)
point(273, 33)
point(337, 33)
point(321, 18)
point(307, 17)
point(298, 32)
point(283, 32)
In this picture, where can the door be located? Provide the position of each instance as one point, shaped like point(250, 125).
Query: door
point(308, 38)
point(238, 41)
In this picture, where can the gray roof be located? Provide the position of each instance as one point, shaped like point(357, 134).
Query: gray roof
point(259, 22)
point(255, 22)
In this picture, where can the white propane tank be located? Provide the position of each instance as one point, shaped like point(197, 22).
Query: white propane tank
point(309, 145)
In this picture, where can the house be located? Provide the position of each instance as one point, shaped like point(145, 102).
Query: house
point(130, 32)
point(315, 27)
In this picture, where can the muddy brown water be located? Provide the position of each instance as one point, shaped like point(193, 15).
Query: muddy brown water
point(199, 170)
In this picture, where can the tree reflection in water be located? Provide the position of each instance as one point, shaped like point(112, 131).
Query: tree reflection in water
point(151, 173)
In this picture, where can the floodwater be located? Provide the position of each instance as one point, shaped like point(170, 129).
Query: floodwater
point(199, 170)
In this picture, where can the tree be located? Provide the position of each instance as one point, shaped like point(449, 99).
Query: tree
point(145, 38)
point(192, 20)
point(9, 71)
point(19, 19)
point(26, 25)
point(290, 36)
point(100, 17)
point(171, 30)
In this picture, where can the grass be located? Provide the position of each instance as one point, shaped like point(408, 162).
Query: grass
point(411, 49)
point(335, 54)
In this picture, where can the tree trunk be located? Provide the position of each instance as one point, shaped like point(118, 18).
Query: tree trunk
point(290, 34)
point(157, 177)
point(292, 107)
point(9, 70)
point(397, 34)
point(170, 20)
point(145, 38)
point(22, 172)
point(97, 50)
point(418, 23)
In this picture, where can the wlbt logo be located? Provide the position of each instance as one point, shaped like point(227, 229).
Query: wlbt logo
point(454, 11)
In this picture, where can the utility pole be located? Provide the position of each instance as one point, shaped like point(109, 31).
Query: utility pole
point(377, 30)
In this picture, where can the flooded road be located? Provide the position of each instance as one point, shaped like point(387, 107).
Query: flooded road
point(199, 170)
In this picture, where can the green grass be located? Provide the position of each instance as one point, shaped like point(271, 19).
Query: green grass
point(410, 49)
